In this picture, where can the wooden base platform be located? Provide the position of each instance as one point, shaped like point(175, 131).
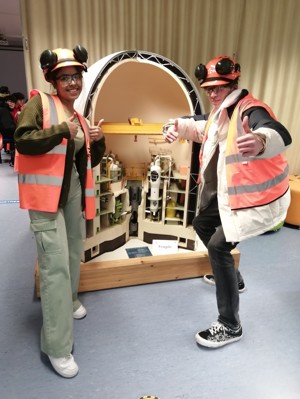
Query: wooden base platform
point(96, 276)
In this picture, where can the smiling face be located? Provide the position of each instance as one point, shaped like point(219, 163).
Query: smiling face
point(68, 83)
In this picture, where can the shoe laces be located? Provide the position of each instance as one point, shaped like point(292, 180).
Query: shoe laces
point(219, 328)
point(216, 327)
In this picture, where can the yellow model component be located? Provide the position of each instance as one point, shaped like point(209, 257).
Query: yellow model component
point(170, 209)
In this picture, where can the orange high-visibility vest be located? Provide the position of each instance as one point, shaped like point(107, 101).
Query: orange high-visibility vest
point(252, 181)
point(40, 176)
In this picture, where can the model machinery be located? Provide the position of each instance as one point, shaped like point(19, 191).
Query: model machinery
point(145, 187)
point(155, 172)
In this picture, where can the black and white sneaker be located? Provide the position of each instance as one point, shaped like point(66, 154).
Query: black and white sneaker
point(218, 335)
point(209, 279)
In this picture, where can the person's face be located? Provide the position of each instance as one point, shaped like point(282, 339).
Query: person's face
point(217, 94)
point(11, 104)
point(68, 83)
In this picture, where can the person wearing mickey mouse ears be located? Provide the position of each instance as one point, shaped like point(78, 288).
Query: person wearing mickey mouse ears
point(57, 149)
point(243, 181)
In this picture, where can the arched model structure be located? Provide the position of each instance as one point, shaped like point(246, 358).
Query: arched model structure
point(137, 82)
point(136, 92)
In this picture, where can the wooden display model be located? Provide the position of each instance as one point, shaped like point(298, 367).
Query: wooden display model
point(144, 187)
point(112, 227)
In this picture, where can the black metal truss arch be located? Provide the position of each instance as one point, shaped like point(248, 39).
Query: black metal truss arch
point(152, 57)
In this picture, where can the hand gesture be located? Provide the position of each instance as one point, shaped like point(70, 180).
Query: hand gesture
point(170, 131)
point(73, 127)
point(250, 144)
point(96, 132)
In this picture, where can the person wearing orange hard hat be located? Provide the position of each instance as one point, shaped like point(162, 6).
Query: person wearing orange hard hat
point(243, 182)
point(57, 149)
point(219, 71)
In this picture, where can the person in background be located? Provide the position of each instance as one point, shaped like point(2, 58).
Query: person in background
point(4, 91)
point(244, 181)
point(7, 125)
point(11, 101)
point(20, 100)
point(57, 149)
point(16, 104)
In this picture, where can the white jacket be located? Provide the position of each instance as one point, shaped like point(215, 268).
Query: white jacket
point(238, 224)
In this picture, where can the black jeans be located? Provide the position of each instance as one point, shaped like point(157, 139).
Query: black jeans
point(210, 230)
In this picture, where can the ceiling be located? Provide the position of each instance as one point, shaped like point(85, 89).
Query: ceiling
point(10, 20)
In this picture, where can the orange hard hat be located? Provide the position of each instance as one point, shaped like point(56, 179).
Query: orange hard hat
point(51, 60)
point(219, 71)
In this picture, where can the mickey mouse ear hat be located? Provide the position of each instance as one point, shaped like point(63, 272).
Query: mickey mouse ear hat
point(219, 71)
point(51, 60)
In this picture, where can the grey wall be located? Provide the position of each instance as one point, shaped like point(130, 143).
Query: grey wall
point(12, 70)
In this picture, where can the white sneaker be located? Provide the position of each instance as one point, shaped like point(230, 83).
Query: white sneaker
point(80, 313)
point(64, 366)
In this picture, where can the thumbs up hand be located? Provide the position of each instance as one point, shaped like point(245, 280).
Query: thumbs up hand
point(73, 127)
point(170, 131)
point(250, 144)
point(96, 132)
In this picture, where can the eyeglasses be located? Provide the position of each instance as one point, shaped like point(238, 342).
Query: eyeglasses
point(67, 79)
point(215, 89)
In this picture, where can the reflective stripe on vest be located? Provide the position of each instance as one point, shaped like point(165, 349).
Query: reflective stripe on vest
point(89, 194)
point(252, 181)
point(40, 176)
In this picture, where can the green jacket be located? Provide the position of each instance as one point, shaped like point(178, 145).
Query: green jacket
point(32, 139)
